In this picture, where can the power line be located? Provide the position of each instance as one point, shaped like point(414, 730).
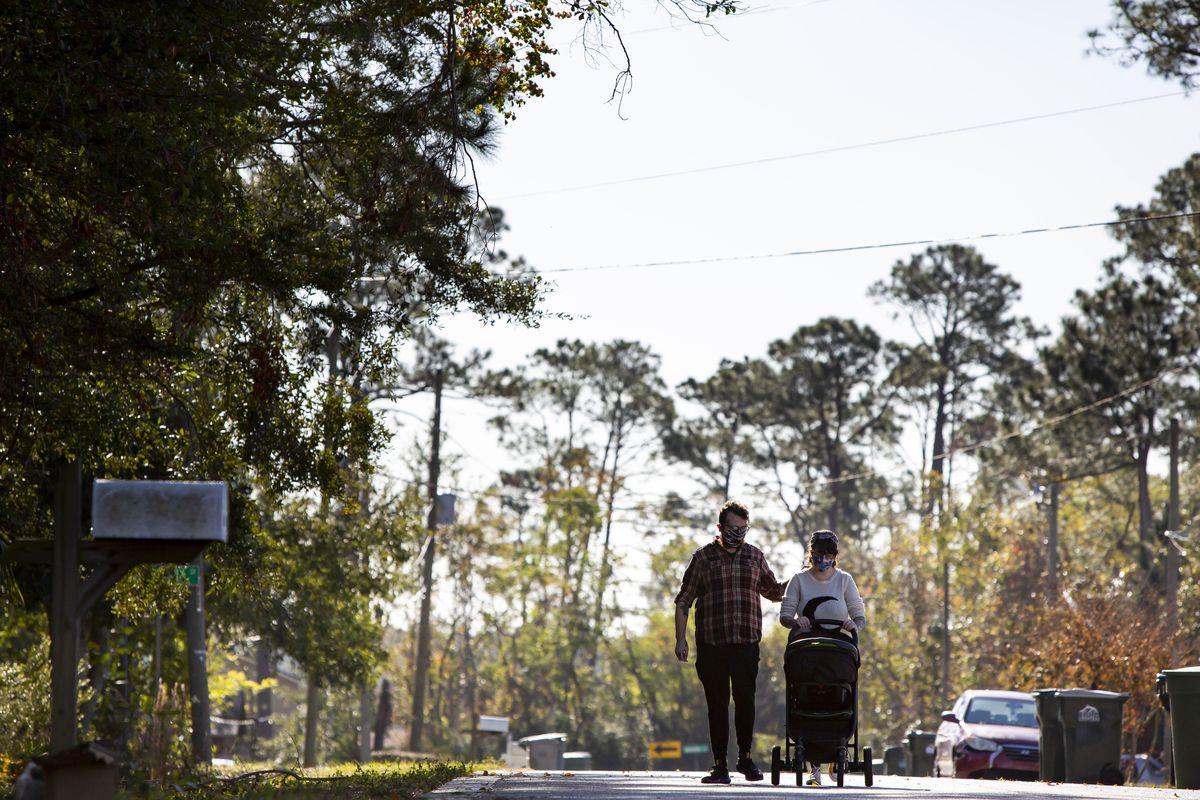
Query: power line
point(847, 147)
point(877, 246)
point(1018, 434)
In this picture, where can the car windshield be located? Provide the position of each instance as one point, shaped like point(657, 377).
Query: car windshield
point(1001, 711)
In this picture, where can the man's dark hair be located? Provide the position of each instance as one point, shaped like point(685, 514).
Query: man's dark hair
point(736, 507)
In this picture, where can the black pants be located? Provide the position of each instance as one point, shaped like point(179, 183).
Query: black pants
point(722, 667)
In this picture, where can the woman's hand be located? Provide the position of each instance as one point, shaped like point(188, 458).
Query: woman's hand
point(803, 625)
point(849, 627)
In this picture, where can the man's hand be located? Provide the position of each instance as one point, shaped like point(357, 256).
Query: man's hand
point(681, 650)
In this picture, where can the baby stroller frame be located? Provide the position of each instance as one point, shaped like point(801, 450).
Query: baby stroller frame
point(824, 733)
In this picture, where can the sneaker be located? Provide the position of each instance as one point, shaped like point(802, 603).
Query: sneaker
point(745, 765)
point(718, 774)
point(814, 777)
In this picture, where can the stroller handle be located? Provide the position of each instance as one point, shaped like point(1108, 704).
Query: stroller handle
point(825, 624)
point(820, 626)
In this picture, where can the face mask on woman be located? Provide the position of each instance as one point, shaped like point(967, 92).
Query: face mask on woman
point(822, 562)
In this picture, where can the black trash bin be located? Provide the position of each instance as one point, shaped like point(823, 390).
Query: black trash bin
point(1091, 722)
point(1050, 736)
point(1179, 690)
point(918, 746)
point(893, 760)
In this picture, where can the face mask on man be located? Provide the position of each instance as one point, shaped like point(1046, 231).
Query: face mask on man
point(823, 562)
point(733, 537)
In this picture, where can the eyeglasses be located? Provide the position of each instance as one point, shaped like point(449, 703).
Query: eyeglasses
point(735, 531)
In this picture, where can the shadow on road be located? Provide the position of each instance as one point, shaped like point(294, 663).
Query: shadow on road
point(529, 785)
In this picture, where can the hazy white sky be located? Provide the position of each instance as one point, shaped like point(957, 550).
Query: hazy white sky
point(798, 76)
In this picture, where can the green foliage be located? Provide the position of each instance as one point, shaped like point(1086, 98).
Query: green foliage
point(968, 339)
point(719, 439)
point(1170, 247)
point(331, 574)
point(190, 194)
point(24, 701)
point(1165, 34)
point(1135, 341)
point(342, 782)
point(827, 407)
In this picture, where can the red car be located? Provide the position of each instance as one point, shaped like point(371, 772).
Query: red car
point(988, 734)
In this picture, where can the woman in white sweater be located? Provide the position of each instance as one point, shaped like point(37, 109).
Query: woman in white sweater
point(822, 591)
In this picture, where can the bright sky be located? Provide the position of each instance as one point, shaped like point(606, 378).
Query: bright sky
point(793, 77)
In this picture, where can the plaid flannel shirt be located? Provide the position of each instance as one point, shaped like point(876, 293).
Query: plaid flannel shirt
point(725, 588)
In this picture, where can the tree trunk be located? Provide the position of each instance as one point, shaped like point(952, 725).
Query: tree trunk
point(1145, 511)
point(312, 717)
point(423, 633)
point(263, 669)
point(97, 670)
point(366, 707)
point(471, 698)
point(606, 553)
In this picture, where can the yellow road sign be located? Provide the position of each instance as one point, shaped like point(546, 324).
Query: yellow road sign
point(666, 749)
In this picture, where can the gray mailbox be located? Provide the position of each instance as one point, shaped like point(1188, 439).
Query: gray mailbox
point(195, 511)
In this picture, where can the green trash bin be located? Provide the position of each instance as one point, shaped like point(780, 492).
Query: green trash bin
point(893, 760)
point(1050, 736)
point(1091, 722)
point(918, 747)
point(1179, 690)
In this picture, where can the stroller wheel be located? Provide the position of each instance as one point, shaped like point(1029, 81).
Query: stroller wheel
point(799, 761)
point(868, 767)
point(776, 765)
point(841, 772)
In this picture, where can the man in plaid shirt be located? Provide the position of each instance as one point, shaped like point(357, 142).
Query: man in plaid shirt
point(724, 579)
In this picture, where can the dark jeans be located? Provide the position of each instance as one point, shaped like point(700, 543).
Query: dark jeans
point(722, 667)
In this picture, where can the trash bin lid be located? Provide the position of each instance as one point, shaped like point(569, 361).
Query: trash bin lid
point(1182, 681)
point(1092, 694)
point(543, 737)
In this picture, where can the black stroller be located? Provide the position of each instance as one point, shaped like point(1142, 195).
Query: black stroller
point(821, 721)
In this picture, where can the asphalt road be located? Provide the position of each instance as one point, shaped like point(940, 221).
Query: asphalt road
point(529, 785)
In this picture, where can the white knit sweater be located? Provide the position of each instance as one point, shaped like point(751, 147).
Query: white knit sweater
point(836, 598)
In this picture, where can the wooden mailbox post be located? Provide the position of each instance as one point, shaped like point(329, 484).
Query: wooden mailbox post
point(133, 522)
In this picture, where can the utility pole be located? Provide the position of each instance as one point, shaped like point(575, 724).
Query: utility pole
point(1174, 523)
point(198, 668)
point(1052, 544)
point(418, 714)
point(945, 630)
